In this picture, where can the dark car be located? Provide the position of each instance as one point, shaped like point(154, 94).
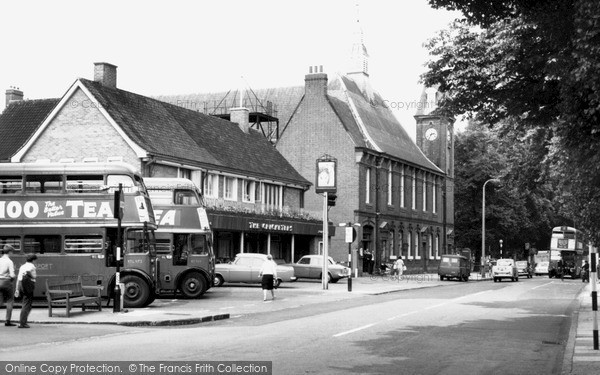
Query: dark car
point(454, 266)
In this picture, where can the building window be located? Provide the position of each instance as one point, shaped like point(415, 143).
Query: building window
point(414, 190)
point(184, 173)
point(434, 195)
point(230, 188)
point(368, 186)
point(437, 246)
point(390, 186)
point(410, 249)
point(418, 245)
point(211, 185)
point(249, 191)
point(430, 247)
point(402, 186)
point(273, 196)
point(424, 192)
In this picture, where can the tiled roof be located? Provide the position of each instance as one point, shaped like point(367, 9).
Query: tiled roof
point(383, 127)
point(19, 121)
point(168, 130)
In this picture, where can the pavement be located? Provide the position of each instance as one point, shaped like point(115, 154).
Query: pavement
point(172, 312)
point(580, 357)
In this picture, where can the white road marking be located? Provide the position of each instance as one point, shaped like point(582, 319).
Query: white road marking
point(408, 313)
point(225, 308)
point(539, 286)
point(354, 330)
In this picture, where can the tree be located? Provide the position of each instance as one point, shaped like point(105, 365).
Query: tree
point(534, 64)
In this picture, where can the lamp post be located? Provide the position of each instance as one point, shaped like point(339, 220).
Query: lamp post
point(501, 242)
point(483, 226)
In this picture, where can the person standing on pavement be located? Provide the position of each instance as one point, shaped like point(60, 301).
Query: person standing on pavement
point(268, 272)
point(26, 286)
point(7, 277)
point(399, 266)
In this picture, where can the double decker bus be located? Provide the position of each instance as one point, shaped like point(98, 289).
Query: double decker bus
point(185, 258)
point(569, 245)
point(64, 213)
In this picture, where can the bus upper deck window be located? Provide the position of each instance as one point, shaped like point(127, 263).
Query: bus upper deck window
point(186, 197)
point(113, 181)
point(44, 184)
point(11, 185)
point(139, 183)
point(85, 184)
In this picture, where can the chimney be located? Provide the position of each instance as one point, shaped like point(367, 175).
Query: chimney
point(241, 116)
point(13, 94)
point(315, 82)
point(106, 74)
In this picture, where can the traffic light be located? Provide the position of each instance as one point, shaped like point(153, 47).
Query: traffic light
point(331, 197)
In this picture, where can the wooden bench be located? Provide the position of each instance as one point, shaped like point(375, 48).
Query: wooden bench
point(71, 293)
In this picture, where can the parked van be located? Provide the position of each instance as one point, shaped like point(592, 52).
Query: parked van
point(454, 266)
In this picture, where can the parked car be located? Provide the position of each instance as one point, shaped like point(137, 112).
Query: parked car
point(454, 266)
point(245, 268)
point(541, 268)
point(505, 269)
point(311, 267)
point(523, 269)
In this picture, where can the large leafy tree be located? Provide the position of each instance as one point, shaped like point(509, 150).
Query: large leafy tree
point(534, 64)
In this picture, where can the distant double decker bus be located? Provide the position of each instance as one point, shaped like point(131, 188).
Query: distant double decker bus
point(569, 245)
point(185, 258)
point(64, 213)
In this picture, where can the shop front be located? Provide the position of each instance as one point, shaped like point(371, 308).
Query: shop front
point(287, 239)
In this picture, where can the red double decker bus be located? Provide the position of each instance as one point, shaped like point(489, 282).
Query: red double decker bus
point(63, 212)
point(185, 258)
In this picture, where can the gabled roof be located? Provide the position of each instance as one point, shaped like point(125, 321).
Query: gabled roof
point(19, 121)
point(381, 127)
point(165, 130)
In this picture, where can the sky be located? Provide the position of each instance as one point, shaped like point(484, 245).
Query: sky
point(182, 47)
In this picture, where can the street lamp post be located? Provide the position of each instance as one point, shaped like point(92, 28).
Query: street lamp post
point(501, 242)
point(483, 226)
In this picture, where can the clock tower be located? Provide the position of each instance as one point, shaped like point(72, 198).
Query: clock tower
point(435, 132)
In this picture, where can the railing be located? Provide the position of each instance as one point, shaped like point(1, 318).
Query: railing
point(259, 209)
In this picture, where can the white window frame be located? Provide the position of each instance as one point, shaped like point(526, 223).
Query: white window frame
point(410, 245)
point(430, 253)
point(390, 186)
point(211, 185)
point(232, 196)
point(368, 186)
point(414, 190)
point(424, 192)
point(437, 246)
point(251, 196)
point(434, 195)
point(402, 186)
point(418, 245)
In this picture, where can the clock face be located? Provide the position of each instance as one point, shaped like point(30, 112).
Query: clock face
point(431, 134)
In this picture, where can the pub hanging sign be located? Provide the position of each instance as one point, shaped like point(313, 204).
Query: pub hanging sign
point(326, 175)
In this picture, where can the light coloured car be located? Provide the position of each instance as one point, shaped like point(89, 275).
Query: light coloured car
point(311, 267)
point(523, 269)
point(245, 268)
point(505, 269)
point(541, 268)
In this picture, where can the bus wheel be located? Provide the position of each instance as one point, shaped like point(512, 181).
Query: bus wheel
point(136, 292)
point(192, 285)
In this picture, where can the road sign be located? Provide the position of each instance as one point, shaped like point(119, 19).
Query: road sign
point(350, 234)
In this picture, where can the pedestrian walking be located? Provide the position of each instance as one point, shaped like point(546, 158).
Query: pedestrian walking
point(25, 287)
point(268, 272)
point(7, 277)
point(399, 266)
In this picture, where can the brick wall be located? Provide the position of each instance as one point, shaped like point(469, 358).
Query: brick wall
point(79, 130)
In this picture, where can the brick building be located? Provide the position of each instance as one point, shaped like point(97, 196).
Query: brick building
point(254, 197)
point(401, 192)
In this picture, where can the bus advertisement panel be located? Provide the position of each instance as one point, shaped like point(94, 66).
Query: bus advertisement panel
point(64, 213)
point(185, 258)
